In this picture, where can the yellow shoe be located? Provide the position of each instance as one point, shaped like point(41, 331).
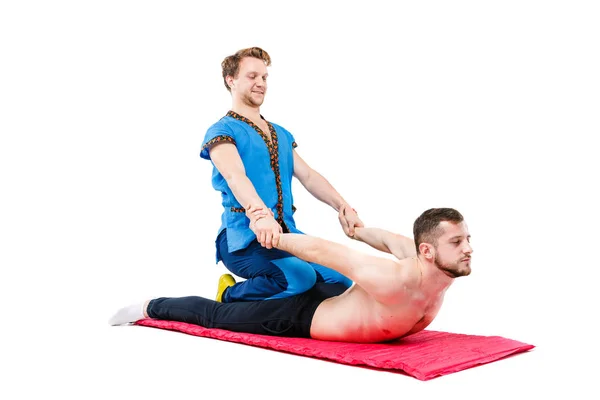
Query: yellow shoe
point(225, 281)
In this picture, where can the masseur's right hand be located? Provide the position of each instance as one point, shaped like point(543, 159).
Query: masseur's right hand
point(265, 227)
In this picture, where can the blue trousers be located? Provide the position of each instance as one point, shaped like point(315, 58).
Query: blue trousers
point(271, 273)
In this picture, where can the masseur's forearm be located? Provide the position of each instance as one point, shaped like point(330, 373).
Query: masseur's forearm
point(321, 189)
point(244, 192)
point(382, 240)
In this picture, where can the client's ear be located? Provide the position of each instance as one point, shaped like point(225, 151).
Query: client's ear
point(427, 250)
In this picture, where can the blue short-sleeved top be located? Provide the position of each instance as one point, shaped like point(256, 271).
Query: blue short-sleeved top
point(270, 167)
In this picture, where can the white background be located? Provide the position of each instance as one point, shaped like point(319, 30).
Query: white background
point(490, 108)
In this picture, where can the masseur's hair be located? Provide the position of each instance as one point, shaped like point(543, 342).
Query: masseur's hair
point(426, 228)
point(231, 64)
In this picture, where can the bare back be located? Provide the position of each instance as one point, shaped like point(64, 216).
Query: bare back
point(355, 315)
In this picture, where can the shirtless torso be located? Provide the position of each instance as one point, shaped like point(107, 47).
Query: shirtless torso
point(356, 316)
point(390, 298)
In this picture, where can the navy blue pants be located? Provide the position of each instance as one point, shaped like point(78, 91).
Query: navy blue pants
point(271, 273)
point(290, 317)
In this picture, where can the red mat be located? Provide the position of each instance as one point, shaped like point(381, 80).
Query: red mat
point(424, 355)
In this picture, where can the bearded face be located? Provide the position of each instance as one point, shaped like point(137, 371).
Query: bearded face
point(453, 249)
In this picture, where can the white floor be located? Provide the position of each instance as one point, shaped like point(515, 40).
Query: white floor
point(488, 108)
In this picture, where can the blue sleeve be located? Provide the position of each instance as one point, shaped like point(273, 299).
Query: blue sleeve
point(217, 133)
point(292, 140)
point(288, 135)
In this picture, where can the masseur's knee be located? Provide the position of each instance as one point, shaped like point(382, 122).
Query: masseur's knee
point(299, 274)
point(346, 281)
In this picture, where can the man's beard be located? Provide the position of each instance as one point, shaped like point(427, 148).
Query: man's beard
point(452, 269)
point(252, 102)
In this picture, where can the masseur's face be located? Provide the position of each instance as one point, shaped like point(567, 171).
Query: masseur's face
point(453, 250)
point(250, 85)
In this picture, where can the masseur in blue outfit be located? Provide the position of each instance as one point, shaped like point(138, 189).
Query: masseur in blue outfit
point(254, 161)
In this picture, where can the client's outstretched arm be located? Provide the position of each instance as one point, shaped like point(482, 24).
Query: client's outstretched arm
point(378, 276)
point(398, 245)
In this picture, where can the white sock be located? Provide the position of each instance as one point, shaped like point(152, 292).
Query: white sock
point(131, 313)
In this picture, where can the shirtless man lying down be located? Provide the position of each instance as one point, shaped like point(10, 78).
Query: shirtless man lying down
point(390, 299)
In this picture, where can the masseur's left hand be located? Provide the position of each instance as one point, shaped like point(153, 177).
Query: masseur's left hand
point(349, 220)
